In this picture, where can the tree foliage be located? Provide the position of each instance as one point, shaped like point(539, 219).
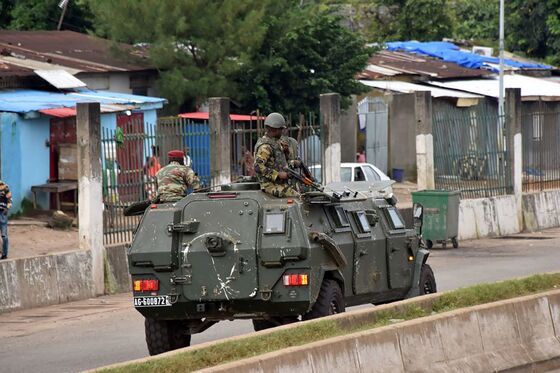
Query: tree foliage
point(44, 15)
point(258, 52)
point(291, 69)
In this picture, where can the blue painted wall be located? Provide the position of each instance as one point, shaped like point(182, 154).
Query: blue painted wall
point(24, 156)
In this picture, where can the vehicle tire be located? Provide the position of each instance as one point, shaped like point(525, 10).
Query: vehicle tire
point(427, 283)
point(259, 325)
point(429, 244)
point(165, 335)
point(329, 302)
point(455, 243)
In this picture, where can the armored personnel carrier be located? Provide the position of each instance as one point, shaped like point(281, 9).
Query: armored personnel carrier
point(239, 253)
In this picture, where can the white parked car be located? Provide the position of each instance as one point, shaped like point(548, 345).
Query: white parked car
point(356, 172)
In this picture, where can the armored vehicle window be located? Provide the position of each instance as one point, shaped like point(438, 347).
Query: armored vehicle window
point(364, 224)
point(274, 222)
point(395, 218)
point(339, 218)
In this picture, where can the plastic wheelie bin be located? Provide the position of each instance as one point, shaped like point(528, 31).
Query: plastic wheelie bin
point(441, 216)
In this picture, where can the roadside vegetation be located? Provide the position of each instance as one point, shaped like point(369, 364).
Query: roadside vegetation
point(250, 346)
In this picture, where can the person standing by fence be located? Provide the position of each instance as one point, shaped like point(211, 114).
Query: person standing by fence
point(5, 205)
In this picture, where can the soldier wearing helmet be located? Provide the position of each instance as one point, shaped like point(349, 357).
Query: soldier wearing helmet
point(270, 160)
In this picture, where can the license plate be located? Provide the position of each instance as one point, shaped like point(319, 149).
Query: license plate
point(159, 301)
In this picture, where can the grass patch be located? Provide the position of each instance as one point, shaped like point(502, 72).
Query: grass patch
point(225, 352)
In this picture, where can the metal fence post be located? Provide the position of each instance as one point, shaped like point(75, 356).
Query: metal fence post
point(90, 200)
point(220, 140)
point(330, 125)
point(424, 140)
point(514, 145)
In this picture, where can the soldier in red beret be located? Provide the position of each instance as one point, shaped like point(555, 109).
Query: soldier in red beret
point(174, 179)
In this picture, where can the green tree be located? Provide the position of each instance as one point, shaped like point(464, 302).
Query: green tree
point(477, 19)
point(45, 14)
point(205, 48)
point(291, 69)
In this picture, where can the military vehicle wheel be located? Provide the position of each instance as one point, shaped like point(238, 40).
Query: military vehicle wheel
point(329, 302)
point(165, 335)
point(429, 244)
point(455, 243)
point(427, 280)
point(259, 325)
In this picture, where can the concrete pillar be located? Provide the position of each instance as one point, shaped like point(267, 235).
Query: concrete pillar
point(401, 137)
point(349, 126)
point(424, 140)
point(220, 140)
point(90, 199)
point(330, 125)
point(514, 146)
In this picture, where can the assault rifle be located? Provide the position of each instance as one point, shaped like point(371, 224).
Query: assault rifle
point(303, 179)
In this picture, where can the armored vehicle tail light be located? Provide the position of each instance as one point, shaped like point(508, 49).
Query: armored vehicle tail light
point(146, 285)
point(153, 206)
point(296, 280)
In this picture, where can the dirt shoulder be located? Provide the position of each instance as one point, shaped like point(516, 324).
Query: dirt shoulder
point(32, 237)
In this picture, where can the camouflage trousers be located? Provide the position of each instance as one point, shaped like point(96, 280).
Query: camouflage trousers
point(279, 190)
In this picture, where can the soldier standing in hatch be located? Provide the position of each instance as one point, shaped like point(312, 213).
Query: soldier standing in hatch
point(270, 160)
point(5, 204)
point(174, 179)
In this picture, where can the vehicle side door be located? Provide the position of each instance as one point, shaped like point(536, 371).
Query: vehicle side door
point(370, 264)
point(399, 252)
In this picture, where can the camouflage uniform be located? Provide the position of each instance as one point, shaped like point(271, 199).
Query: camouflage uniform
point(290, 147)
point(269, 161)
point(173, 181)
point(5, 204)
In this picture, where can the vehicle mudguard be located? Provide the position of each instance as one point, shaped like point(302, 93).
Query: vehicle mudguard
point(421, 257)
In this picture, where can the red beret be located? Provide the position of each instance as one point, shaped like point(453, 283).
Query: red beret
point(175, 154)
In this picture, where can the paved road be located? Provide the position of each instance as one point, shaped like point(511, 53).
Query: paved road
point(88, 334)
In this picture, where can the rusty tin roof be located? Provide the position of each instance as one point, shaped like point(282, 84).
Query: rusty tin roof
point(386, 64)
point(21, 52)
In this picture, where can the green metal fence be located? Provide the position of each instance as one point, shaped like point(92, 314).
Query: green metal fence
point(540, 129)
point(469, 150)
point(132, 153)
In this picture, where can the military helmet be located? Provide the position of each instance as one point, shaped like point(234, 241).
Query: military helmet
point(275, 120)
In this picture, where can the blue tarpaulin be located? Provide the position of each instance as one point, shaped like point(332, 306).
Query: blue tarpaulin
point(450, 52)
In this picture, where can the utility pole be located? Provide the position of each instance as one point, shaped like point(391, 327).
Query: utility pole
point(501, 76)
point(63, 4)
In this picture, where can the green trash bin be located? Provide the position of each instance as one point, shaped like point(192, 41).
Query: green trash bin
point(441, 216)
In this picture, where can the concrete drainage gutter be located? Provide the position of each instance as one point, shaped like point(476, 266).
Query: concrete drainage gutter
point(521, 334)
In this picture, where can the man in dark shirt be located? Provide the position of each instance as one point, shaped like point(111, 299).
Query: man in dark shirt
point(5, 204)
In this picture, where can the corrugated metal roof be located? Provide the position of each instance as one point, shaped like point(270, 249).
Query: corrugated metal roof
point(68, 49)
point(386, 63)
point(27, 100)
point(531, 88)
point(60, 79)
point(404, 87)
point(71, 112)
